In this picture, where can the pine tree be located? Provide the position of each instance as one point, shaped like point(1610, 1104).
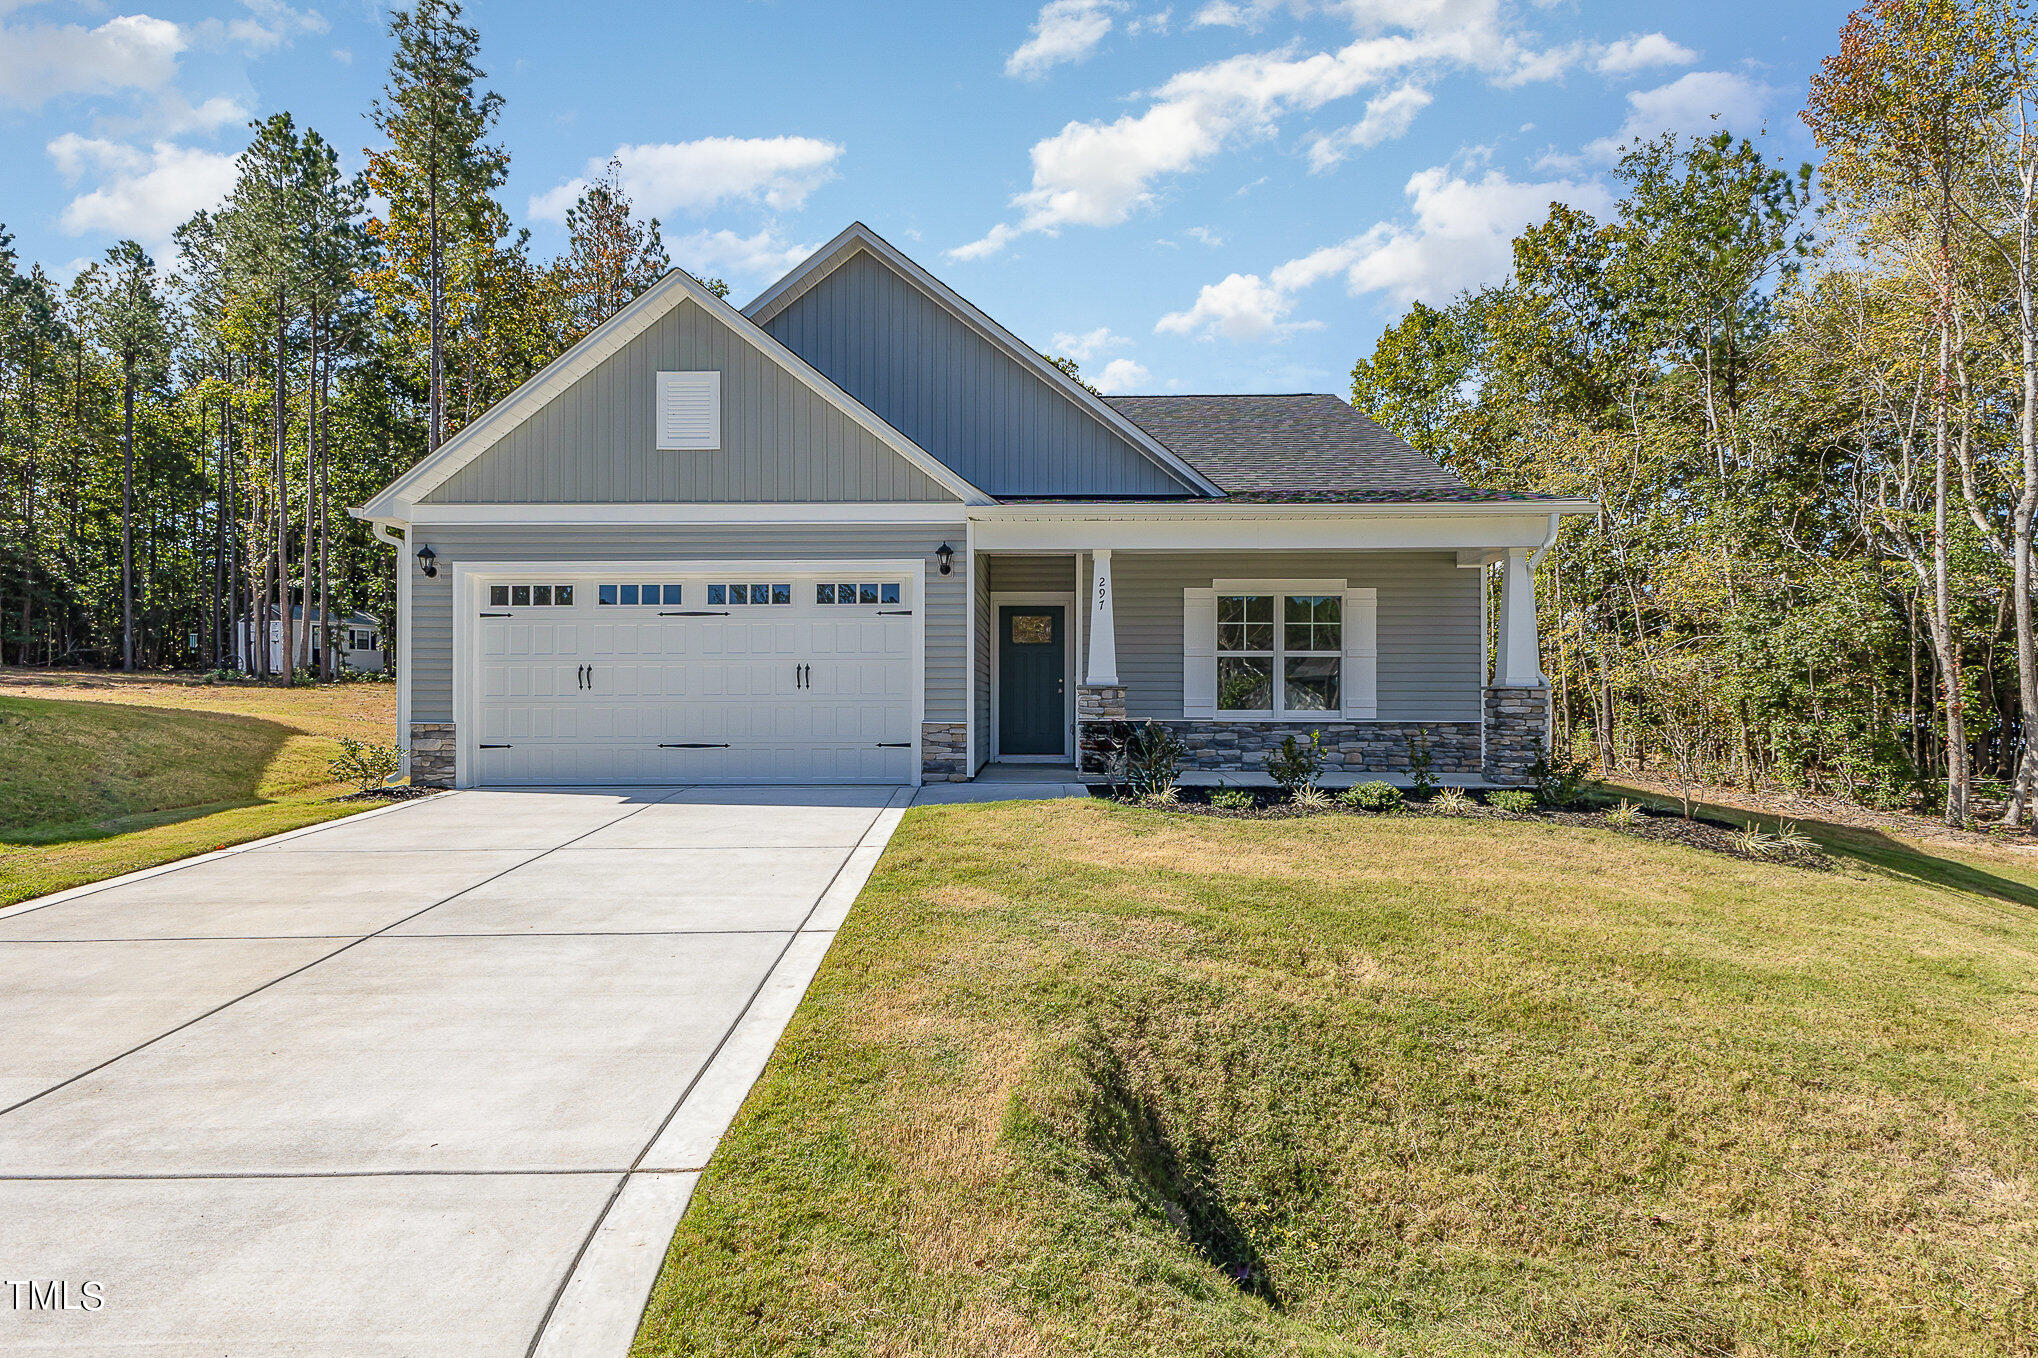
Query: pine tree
point(130, 321)
point(611, 257)
point(436, 175)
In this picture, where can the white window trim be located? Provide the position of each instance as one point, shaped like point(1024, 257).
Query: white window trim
point(1358, 665)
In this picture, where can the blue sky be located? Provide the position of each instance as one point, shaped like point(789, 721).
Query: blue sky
point(1209, 195)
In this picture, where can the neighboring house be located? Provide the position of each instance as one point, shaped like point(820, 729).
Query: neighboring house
point(860, 532)
point(357, 640)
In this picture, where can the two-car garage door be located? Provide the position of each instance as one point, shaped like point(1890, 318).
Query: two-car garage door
point(743, 675)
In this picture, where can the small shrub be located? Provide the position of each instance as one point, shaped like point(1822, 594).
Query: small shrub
point(1148, 760)
point(1162, 796)
point(1753, 842)
point(1311, 798)
point(1624, 812)
point(1421, 764)
point(1373, 796)
point(1296, 764)
point(1515, 800)
point(1232, 799)
point(366, 766)
point(1452, 801)
point(1791, 840)
point(1559, 782)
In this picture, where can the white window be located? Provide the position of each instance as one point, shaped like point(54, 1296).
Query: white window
point(689, 410)
point(1280, 654)
point(1279, 650)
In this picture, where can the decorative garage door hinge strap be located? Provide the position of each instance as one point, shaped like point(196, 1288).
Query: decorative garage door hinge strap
point(498, 615)
point(895, 744)
point(895, 612)
point(495, 747)
point(695, 745)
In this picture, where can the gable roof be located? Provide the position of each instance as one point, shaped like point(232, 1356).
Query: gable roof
point(1298, 448)
point(857, 238)
point(675, 288)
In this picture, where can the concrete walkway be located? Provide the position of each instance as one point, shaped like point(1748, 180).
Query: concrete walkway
point(435, 1079)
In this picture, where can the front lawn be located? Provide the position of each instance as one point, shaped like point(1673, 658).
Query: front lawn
point(1087, 1079)
point(102, 774)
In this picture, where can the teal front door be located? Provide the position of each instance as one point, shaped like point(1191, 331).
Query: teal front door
point(1032, 669)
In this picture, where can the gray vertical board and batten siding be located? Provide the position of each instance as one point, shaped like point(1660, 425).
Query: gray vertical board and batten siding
point(1431, 635)
point(942, 384)
point(596, 442)
point(431, 659)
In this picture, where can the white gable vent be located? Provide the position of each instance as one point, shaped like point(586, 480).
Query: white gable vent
point(690, 410)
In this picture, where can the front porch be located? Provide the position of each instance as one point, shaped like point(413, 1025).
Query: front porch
point(1383, 652)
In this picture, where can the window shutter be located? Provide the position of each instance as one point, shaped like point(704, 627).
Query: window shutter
point(1199, 652)
point(1362, 654)
point(689, 410)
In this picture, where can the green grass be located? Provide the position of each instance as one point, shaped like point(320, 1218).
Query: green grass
point(1084, 1079)
point(105, 774)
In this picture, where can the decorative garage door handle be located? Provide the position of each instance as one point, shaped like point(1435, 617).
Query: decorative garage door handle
point(695, 745)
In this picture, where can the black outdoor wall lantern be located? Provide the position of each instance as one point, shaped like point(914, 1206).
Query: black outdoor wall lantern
point(427, 562)
point(946, 554)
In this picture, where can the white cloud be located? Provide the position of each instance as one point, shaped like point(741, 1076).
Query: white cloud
point(1242, 307)
point(1100, 173)
point(1083, 348)
point(764, 254)
point(40, 62)
point(693, 176)
point(268, 25)
point(1064, 30)
point(1461, 236)
point(1691, 103)
point(142, 194)
point(1157, 22)
point(1122, 374)
point(1203, 235)
point(1388, 117)
point(1640, 52)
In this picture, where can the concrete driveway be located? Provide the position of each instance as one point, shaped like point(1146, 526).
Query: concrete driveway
point(435, 1079)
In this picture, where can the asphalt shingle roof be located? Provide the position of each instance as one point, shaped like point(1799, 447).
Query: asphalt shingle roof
point(1304, 448)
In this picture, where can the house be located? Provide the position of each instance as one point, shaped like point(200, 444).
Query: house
point(357, 640)
point(859, 532)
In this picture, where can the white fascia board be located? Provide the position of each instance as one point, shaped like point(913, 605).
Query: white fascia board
point(435, 516)
point(610, 336)
point(1240, 531)
point(857, 236)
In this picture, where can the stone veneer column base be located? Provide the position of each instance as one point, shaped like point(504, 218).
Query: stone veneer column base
point(1098, 708)
point(1517, 732)
point(431, 754)
point(944, 752)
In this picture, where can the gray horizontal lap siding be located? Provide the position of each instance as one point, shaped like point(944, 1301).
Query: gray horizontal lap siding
point(946, 387)
point(596, 441)
point(431, 659)
point(1431, 639)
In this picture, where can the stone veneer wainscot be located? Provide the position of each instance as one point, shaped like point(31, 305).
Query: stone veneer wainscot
point(944, 751)
point(431, 754)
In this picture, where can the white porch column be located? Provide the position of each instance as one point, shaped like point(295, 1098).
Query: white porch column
point(1103, 671)
point(1517, 659)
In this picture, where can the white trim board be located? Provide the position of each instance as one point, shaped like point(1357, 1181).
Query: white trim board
point(857, 237)
point(1020, 598)
point(398, 500)
point(470, 576)
point(648, 514)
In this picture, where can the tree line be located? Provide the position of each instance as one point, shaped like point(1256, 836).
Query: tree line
point(179, 439)
point(1805, 400)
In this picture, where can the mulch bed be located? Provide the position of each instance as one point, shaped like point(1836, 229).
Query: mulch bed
point(1700, 832)
point(401, 792)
